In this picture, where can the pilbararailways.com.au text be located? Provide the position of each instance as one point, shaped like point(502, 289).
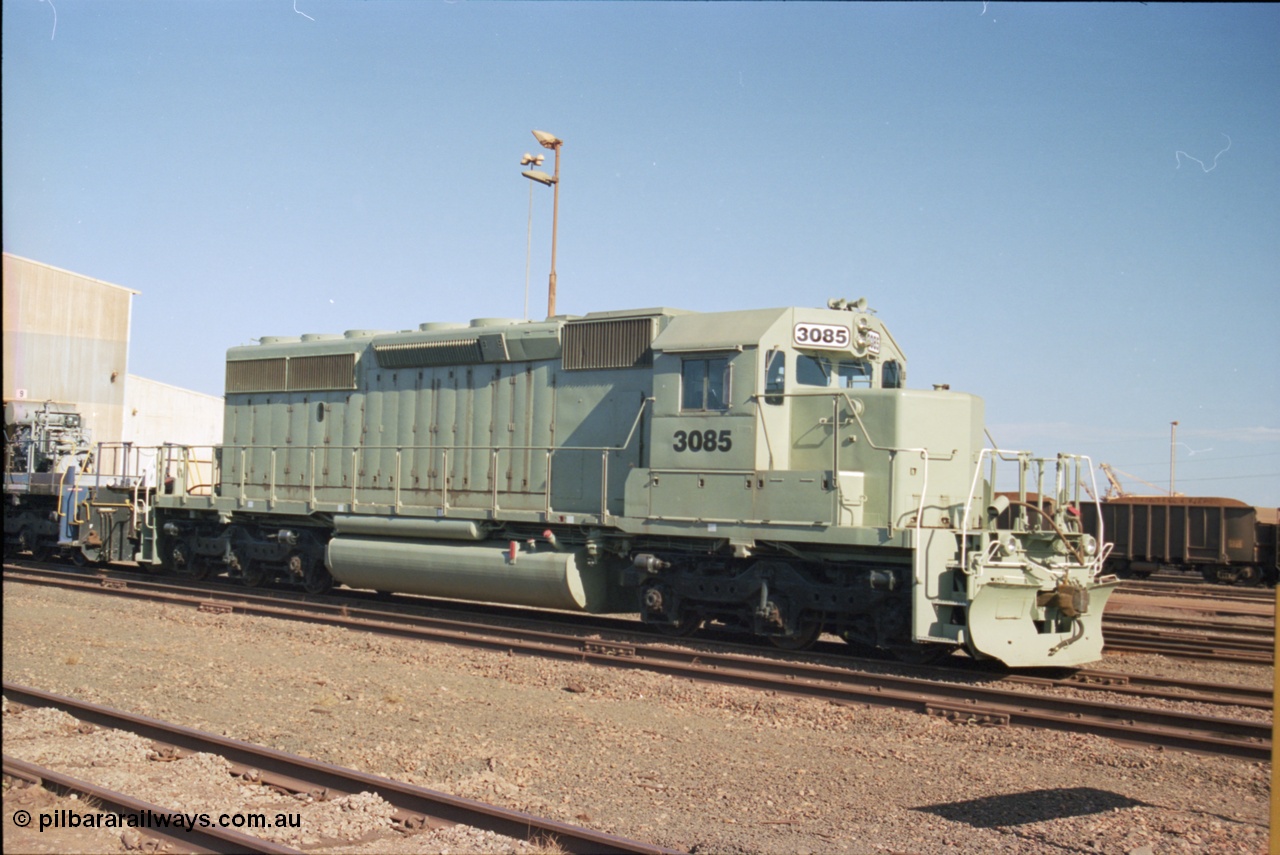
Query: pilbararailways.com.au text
point(66, 818)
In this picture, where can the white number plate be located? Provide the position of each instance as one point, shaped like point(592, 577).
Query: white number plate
point(826, 336)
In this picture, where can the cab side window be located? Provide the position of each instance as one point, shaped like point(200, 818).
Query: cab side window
point(892, 375)
point(775, 377)
point(704, 384)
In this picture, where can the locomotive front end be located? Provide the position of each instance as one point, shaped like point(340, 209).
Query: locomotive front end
point(1033, 576)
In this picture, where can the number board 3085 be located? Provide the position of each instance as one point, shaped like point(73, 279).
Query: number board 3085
point(824, 336)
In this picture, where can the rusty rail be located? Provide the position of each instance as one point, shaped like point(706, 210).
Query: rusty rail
point(964, 701)
point(196, 838)
point(301, 774)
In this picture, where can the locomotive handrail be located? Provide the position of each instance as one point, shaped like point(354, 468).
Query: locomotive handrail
point(1025, 459)
point(644, 402)
point(924, 455)
point(272, 484)
point(858, 417)
point(188, 464)
point(995, 446)
point(75, 488)
point(62, 481)
point(185, 464)
point(122, 463)
point(854, 408)
point(968, 502)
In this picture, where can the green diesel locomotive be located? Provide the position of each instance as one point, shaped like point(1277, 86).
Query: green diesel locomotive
point(763, 470)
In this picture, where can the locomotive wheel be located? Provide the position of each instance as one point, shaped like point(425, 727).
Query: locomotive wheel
point(1249, 577)
point(177, 558)
point(858, 645)
point(922, 654)
point(808, 632)
point(687, 624)
point(317, 579)
point(21, 543)
point(251, 572)
point(197, 568)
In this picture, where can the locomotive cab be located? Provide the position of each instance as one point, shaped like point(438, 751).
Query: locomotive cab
point(786, 439)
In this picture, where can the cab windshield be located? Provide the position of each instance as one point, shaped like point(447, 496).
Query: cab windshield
point(826, 372)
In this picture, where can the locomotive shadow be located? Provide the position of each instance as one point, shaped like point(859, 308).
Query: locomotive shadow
point(1033, 806)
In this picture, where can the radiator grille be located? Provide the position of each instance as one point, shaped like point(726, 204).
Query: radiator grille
point(256, 375)
point(421, 354)
point(299, 374)
point(622, 343)
point(313, 373)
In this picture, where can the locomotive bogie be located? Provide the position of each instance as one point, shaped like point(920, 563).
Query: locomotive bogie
point(253, 550)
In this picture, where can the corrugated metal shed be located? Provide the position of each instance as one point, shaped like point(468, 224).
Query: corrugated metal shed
point(66, 338)
point(156, 413)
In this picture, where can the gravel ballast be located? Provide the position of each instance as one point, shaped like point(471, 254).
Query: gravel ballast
point(689, 766)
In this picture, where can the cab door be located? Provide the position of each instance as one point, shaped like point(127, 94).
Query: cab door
point(703, 440)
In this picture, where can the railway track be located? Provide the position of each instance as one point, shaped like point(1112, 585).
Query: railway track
point(958, 697)
point(1246, 636)
point(194, 839)
point(1190, 645)
point(415, 805)
point(1172, 639)
point(1205, 591)
point(1230, 629)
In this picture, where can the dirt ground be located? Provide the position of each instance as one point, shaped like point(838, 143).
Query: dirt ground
point(693, 767)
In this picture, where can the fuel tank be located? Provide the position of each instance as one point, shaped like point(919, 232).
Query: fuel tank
point(491, 572)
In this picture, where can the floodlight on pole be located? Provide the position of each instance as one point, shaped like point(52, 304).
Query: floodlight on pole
point(539, 176)
point(554, 143)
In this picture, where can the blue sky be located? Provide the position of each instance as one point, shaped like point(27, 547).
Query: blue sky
point(1070, 210)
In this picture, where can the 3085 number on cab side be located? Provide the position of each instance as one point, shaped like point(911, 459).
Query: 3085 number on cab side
point(702, 440)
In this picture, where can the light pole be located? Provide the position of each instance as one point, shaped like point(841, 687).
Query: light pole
point(1173, 454)
point(547, 140)
point(529, 160)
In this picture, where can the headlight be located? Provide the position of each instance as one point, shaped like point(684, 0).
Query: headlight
point(1089, 544)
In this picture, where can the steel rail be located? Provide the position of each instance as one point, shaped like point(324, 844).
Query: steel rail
point(1081, 680)
point(1188, 646)
point(1215, 735)
point(153, 820)
point(1167, 688)
point(1198, 624)
point(1207, 591)
point(301, 774)
point(1118, 638)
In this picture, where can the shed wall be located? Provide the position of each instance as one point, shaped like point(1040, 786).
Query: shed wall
point(66, 338)
point(156, 413)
